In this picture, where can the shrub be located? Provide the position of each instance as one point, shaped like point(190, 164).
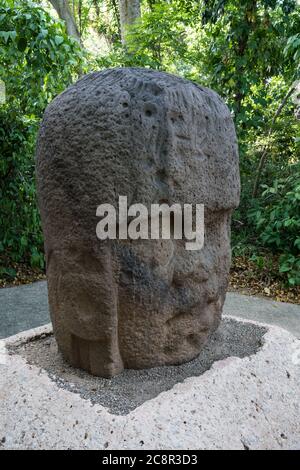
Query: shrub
point(37, 61)
point(277, 221)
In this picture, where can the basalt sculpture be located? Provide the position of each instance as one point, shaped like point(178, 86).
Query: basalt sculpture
point(154, 138)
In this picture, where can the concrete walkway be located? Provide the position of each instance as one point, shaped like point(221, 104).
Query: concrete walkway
point(25, 307)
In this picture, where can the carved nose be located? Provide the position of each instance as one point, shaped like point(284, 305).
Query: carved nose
point(195, 268)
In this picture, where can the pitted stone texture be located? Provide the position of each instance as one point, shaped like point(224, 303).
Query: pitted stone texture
point(154, 138)
point(250, 403)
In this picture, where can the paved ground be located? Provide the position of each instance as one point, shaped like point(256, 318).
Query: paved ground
point(25, 307)
point(264, 310)
point(239, 403)
point(132, 388)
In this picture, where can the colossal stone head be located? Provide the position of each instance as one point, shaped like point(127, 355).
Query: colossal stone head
point(155, 138)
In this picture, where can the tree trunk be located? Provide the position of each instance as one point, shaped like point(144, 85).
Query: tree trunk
point(129, 11)
point(117, 16)
point(242, 44)
point(109, 38)
point(266, 148)
point(64, 12)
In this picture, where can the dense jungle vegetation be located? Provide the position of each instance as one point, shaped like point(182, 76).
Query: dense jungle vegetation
point(247, 50)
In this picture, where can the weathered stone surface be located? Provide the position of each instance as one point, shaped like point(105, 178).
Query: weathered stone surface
point(154, 138)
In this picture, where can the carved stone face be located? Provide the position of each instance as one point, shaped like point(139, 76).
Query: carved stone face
point(154, 138)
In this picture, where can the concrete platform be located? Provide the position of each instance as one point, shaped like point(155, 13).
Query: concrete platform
point(241, 393)
point(25, 307)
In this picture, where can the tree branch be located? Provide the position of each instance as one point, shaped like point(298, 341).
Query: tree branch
point(266, 148)
point(130, 10)
point(64, 12)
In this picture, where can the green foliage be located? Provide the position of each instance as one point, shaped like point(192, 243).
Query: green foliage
point(19, 219)
point(244, 46)
point(37, 61)
point(158, 41)
point(248, 51)
point(260, 107)
point(277, 222)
